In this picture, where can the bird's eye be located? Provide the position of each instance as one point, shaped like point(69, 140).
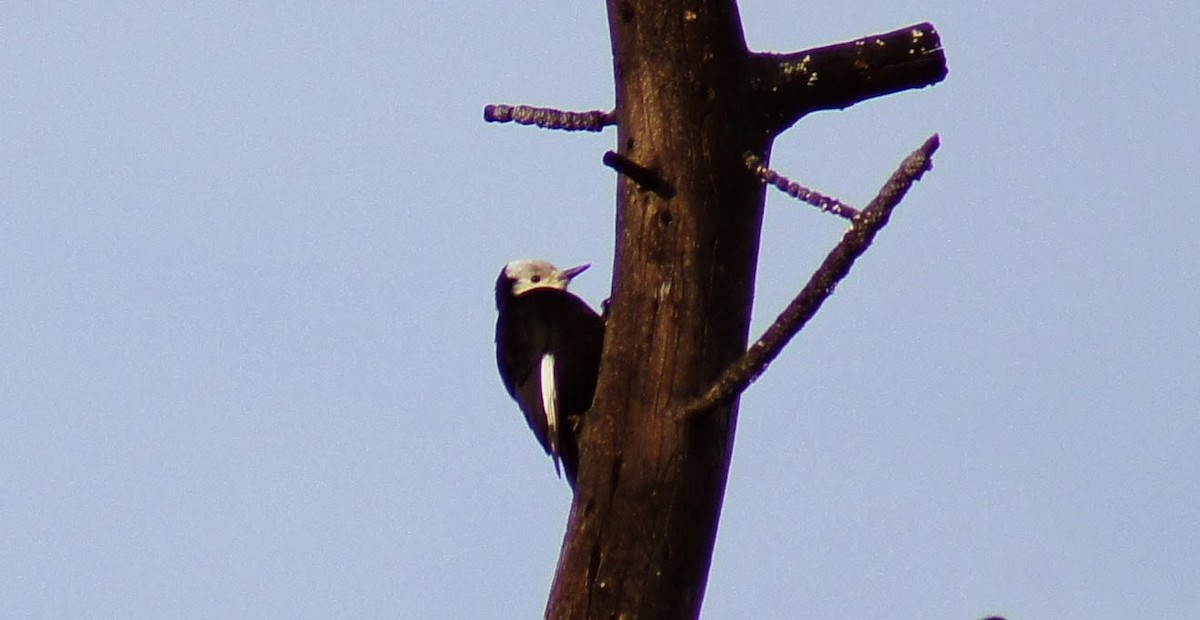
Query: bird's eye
point(535, 279)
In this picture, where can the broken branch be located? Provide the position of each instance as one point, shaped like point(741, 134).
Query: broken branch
point(841, 75)
point(549, 118)
point(645, 178)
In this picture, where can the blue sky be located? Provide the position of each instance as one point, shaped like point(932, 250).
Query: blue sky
point(246, 314)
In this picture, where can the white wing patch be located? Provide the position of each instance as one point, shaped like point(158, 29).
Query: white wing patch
point(550, 405)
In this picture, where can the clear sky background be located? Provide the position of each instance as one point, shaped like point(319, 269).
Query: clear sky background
point(246, 263)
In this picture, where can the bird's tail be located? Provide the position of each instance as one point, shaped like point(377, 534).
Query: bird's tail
point(550, 407)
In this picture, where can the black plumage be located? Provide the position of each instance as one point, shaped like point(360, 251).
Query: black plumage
point(548, 344)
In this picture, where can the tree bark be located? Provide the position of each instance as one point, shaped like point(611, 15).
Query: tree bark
point(643, 522)
point(691, 100)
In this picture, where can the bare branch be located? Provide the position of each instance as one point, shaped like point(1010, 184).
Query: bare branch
point(841, 75)
point(798, 191)
point(646, 178)
point(740, 374)
point(549, 118)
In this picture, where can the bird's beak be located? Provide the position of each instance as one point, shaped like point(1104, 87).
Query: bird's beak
point(574, 271)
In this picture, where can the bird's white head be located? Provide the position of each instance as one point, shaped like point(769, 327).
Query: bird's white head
point(529, 273)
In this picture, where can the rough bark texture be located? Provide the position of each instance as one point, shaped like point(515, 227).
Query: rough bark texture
point(691, 100)
point(642, 525)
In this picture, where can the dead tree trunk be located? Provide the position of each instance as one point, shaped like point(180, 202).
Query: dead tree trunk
point(643, 523)
point(691, 103)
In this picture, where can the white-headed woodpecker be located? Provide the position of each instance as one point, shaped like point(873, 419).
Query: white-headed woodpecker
point(548, 344)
